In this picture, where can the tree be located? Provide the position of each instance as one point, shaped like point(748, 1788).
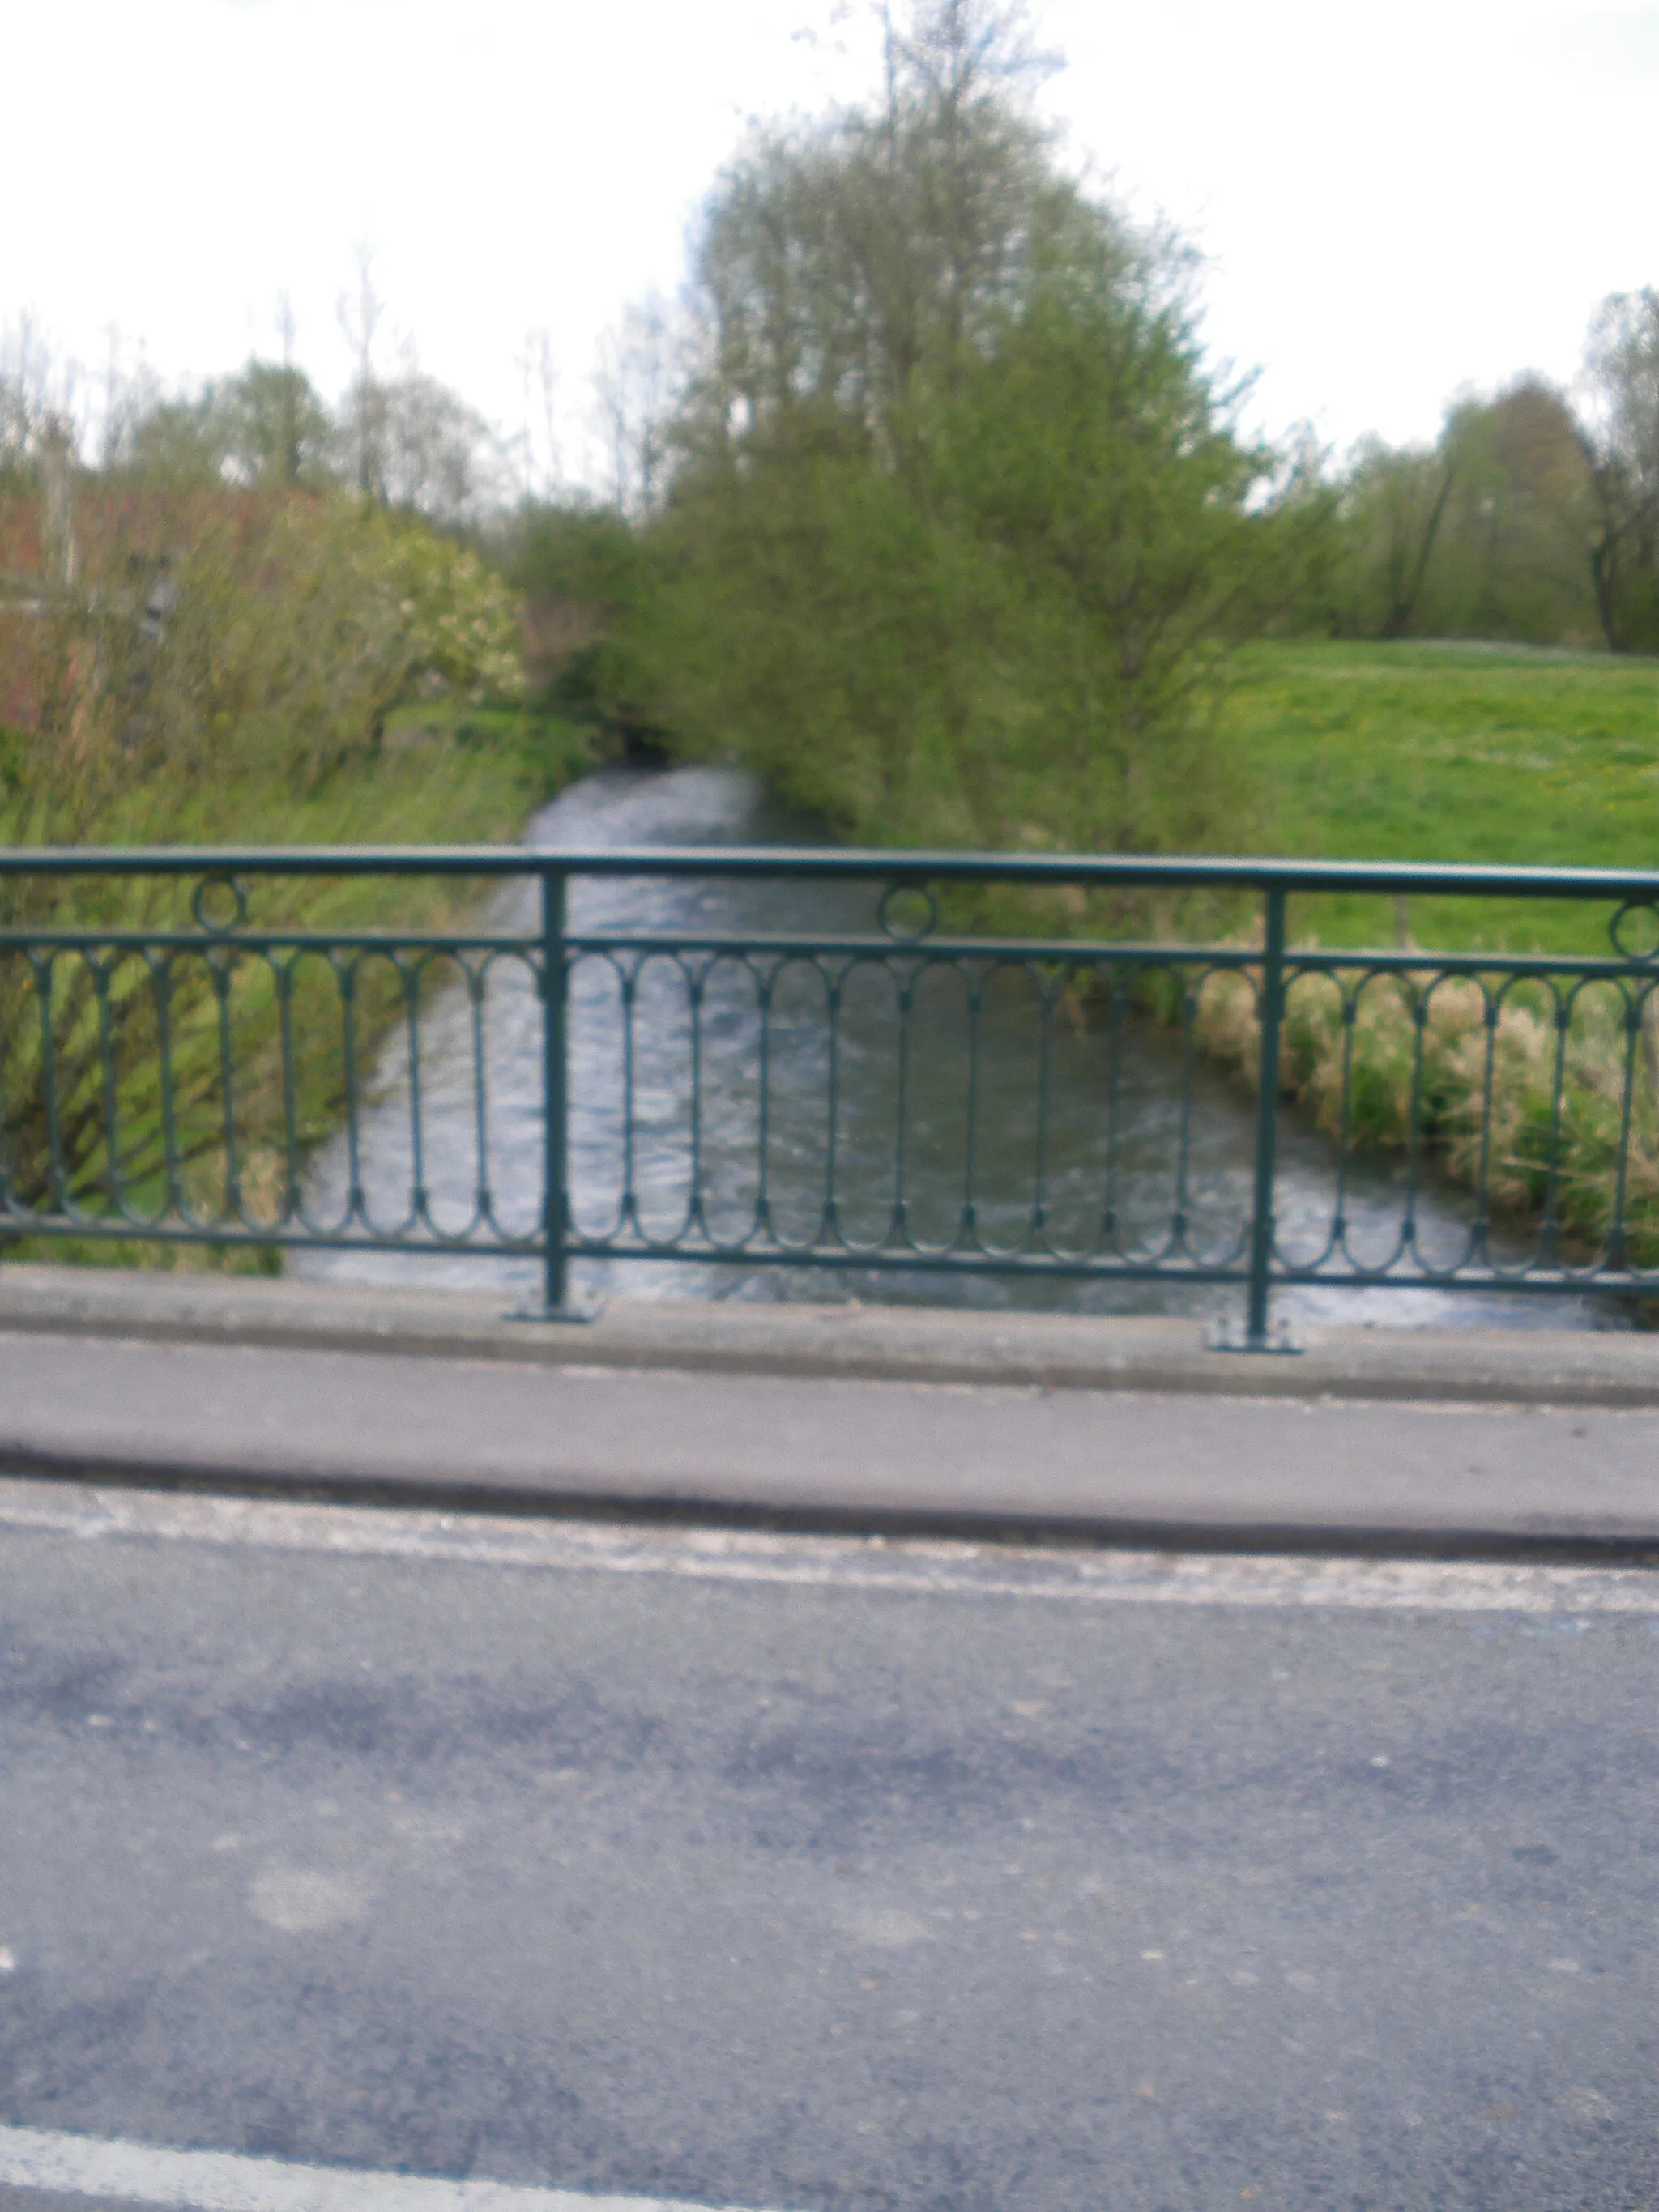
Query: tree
point(631, 388)
point(38, 394)
point(581, 568)
point(407, 441)
point(1484, 534)
point(359, 318)
point(1511, 562)
point(956, 529)
point(1621, 444)
point(275, 427)
point(435, 455)
point(540, 459)
point(266, 425)
point(851, 267)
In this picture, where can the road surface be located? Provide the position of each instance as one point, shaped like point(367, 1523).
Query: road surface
point(806, 1871)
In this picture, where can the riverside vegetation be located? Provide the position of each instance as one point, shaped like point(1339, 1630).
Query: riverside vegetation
point(933, 512)
point(305, 671)
point(953, 535)
point(1396, 751)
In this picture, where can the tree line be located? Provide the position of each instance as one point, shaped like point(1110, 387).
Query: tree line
point(213, 596)
point(401, 442)
point(947, 526)
point(926, 503)
point(947, 530)
point(1534, 517)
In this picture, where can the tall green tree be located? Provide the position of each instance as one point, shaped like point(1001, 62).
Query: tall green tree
point(266, 425)
point(277, 430)
point(956, 529)
point(1485, 534)
point(1512, 561)
point(1621, 441)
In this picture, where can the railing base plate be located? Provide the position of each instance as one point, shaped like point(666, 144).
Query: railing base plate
point(1222, 1335)
point(572, 1313)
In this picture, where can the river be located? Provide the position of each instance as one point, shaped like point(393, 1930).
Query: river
point(711, 806)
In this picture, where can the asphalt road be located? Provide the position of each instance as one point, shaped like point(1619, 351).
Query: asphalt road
point(800, 1871)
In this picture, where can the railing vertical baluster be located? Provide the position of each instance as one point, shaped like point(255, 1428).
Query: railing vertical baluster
point(477, 986)
point(102, 976)
point(695, 1218)
point(45, 980)
point(898, 1229)
point(1109, 1242)
point(1614, 1255)
point(1181, 1219)
point(345, 976)
point(1271, 1016)
point(420, 1197)
point(224, 978)
point(628, 988)
point(763, 987)
point(556, 1195)
point(292, 1192)
point(970, 1148)
point(1549, 1229)
point(831, 1215)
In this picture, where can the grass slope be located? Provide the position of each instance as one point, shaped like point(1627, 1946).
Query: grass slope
point(1426, 752)
point(473, 784)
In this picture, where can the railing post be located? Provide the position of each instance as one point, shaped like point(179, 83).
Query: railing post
point(1270, 1017)
point(1267, 1121)
point(555, 1110)
point(554, 1174)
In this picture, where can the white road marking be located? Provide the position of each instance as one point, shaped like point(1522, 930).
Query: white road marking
point(228, 2181)
point(933, 1567)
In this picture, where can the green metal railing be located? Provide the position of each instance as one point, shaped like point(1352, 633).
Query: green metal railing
point(179, 1037)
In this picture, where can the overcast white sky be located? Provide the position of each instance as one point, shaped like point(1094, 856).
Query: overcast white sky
point(1397, 199)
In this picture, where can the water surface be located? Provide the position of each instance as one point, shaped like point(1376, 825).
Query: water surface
point(1131, 1152)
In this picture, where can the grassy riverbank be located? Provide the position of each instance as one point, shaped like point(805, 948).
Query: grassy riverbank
point(1425, 752)
point(437, 780)
point(1409, 751)
point(1429, 752)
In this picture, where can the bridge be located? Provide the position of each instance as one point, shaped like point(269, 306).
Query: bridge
point(766, 1753)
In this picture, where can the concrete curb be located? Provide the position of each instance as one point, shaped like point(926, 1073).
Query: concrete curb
point(1614, 1546)
point(1057, 1351)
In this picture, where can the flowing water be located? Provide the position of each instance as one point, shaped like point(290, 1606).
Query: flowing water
point(692, 806)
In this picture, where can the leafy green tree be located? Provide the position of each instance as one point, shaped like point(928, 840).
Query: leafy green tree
point(1392, 506)
point(266, 425)
point(277, 430)
point(582, 569)
point(1511, 562)
point(210, 642)
point(957, 531)
point(1621, 441)
point(409, 442)
point(414, 446)
point(1485, 534)
point(578, 552)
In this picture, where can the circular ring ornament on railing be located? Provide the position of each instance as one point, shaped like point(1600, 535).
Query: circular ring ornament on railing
point(1644, 915)
point(894, 922)
point(221, 924)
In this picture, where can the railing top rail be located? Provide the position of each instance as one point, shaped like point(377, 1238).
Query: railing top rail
point(1188, 871)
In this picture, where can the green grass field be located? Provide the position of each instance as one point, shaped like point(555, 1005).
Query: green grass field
point(442, 779)
point(1431, 752)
